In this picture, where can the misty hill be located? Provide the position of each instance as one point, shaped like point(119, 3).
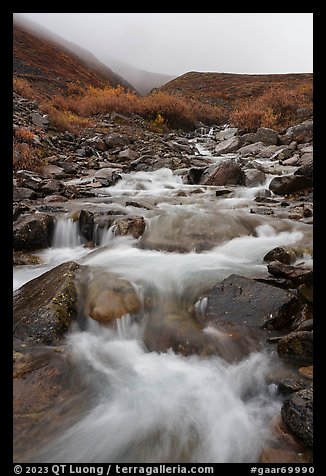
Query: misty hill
point(114, 70)
point(227, 89)
point(53, 67)
point(143, 81)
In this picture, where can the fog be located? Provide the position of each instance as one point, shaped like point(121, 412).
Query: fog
point(174, 43)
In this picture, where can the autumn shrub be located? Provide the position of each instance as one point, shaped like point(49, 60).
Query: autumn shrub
point(22, 134)
point(27, 157)
point(276, 108)
point(65, 120)
point(22, 87)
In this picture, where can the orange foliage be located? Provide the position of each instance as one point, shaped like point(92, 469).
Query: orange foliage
point(23, 134)
point(23, 88)
point(276, 108)
point(26, 157)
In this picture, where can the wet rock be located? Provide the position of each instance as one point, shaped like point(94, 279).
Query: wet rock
point(306, 292)
point(307, 372)
point(111, 299)
point(33, 232)
point(297, 274)
point(261, 194)
point(18, 210)
point(226, 173)
point(222, 191)
point(22, 193)
point(44, 308)
point(228, 145)
point(300, 133)
point(305, 170)
point(291, 161)
point(297, 346)
point(288, 380)
point(22, 259)
point(107, 176)
point(297, 414)
point(306, 325)
point(281, 254)
point(244, 302)
point(194, 175)
point(275, 455)
point(285, 185)
point(284, 439)
point(226, 133)
point(253, 177)
point(86, 224)
point(134, 226)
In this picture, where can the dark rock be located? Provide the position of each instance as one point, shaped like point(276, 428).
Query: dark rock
point(253, 177)
point(39, 120)
point(53, 171)
point(55, 198)
point(297, 346)
point(45, 307)
point(33, 232)
point(297, 274)
point(107, 176)
point(134, 226)
point(245, 302)
point(22, 193)
point(285, 185)
point(267, 136)
point(222, 191)
point(19, 210)
point(29, 179)
point(226, 173)
point(86, 224)
point(22, 259)
point(301, 133)
point(51, 186)
point(113, 141)
point(305, 170)
point(307, 325)
point(194, 175)
point(261, 194)
point(297, 414)
point(281, 254)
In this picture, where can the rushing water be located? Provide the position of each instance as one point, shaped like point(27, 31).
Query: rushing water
point(160, 406)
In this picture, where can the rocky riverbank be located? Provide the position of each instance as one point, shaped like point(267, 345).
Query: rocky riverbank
point(122, 180)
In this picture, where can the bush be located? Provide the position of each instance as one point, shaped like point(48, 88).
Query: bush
point(26, 157)
point(22, 134)
point(23, 88)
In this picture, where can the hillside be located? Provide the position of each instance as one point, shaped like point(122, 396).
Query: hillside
point(54, 69)
point(226, 89)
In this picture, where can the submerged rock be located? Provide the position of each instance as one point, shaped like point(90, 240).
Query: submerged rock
point(244, 302)
point(44, 308)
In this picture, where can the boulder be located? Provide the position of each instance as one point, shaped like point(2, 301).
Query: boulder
point(285, 185)
point(245, 302)
point(297, 346)
point(39, 119)
point(44, 308)
point(228, 145)
point(301, 132)
point(253, 177)
point(306, 170)
point(51, 186)
point(28, 179)
point(53, 171)
point(107, 176)
point(297, 414)
point(226, 173)
point(134, 226)
point(266, 136)
point(127, 154)
point(23, 193)
point(194, 175)
point(33, 232)
point(281, 254)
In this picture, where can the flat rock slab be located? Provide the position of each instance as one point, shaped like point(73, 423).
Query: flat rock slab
point(244, 302)
point(44, 308)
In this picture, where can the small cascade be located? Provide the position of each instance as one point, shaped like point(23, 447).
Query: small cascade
point(104, 236)
point(66, 233)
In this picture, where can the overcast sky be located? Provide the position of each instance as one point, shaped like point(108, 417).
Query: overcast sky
point(174, 43)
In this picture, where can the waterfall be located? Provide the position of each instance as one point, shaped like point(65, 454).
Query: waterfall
point(66, 233)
